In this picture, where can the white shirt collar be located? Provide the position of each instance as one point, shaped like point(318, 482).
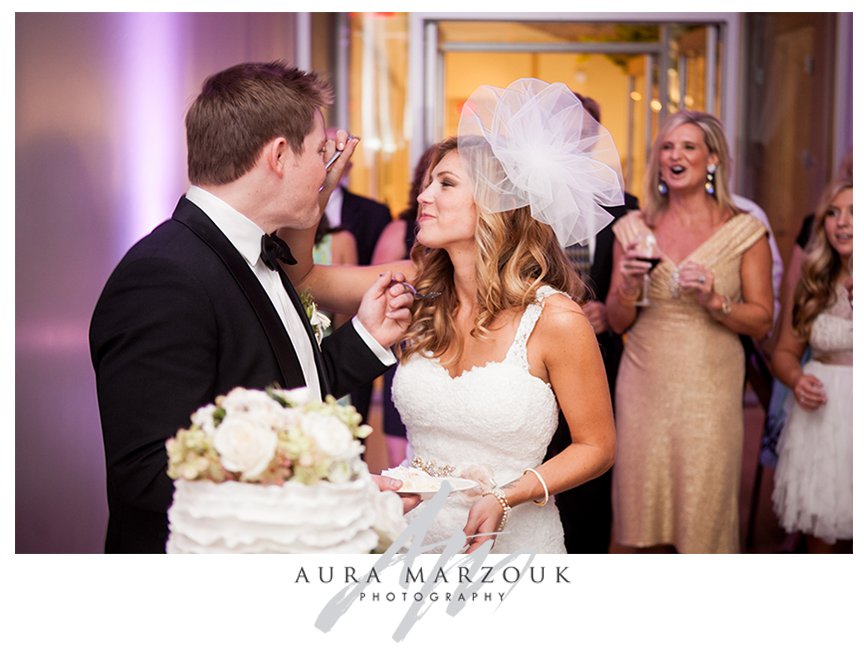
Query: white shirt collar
point(244, 235)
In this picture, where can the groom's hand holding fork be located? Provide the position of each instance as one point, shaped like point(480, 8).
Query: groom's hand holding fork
point(385, 310)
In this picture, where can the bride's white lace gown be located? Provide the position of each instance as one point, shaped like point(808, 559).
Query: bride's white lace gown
point(491, 422)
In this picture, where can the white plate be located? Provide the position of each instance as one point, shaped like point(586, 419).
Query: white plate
point(456, 485)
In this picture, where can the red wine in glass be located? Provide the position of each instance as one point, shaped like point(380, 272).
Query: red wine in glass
point(653, 261)
point(647, 251)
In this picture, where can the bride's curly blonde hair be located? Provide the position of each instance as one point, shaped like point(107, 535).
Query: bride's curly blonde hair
point(821, 267)
point(516, 255)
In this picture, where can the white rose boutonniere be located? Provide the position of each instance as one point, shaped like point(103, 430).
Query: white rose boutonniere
point(320, 322)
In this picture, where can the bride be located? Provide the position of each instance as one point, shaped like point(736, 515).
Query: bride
point(488, 362)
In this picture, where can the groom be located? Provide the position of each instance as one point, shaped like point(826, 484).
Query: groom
point(201, 305)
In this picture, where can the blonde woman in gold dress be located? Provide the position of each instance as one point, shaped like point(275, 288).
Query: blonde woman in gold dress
point(679, 394)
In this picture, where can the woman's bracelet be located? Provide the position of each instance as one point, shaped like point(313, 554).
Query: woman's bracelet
point(498, 493)
point(543, 483)
point(725, 309)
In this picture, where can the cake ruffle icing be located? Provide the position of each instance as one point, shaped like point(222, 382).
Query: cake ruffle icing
point(236, 517)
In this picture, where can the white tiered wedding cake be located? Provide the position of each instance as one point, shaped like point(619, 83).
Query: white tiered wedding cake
point(270, 472)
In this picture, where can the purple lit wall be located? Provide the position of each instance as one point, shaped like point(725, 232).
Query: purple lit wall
point(100, 160)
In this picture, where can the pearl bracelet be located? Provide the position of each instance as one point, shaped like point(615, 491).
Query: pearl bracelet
point(498, 493)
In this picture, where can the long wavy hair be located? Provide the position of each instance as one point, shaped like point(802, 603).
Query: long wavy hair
point(821, 267)
point(715, 139)
point(516, 255)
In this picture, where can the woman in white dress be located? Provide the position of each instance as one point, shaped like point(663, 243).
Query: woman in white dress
point(487, 364)
point(813, 481)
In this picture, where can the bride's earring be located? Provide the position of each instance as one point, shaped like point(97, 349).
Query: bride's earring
point(662, 188)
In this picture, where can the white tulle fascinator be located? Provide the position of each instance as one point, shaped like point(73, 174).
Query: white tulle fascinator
point(533, 144)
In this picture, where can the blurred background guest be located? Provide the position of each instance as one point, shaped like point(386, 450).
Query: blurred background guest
point(395, 244)
point(750, 207)
point(679, 391)
point(365, 219)
point(776, 414)
point(813, 481)
point(586, 510)
point(334, 246)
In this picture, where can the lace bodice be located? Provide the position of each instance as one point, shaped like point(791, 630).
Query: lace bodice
point(832, 329)
point(497, 414)
point(491, 421)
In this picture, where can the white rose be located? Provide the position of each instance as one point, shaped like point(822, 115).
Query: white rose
point(300, 395)
point(285, 419)
point(203, 418)
point(245, 446)
point(330, 434)
point(242, 400)
point(339, 472)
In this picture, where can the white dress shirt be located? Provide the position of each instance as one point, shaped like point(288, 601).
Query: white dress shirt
point(245, 236)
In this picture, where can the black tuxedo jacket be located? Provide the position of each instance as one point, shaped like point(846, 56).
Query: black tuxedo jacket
point(181, 320)
point(365, 219)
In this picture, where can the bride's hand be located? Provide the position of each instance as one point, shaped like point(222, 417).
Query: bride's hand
point(483, 520)
point(346, 144)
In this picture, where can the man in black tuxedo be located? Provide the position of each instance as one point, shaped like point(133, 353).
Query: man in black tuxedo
point(201, 304)
point(586, 510)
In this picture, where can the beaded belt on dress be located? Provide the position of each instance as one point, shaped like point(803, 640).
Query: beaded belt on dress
point(834, 358)
point(432, 468)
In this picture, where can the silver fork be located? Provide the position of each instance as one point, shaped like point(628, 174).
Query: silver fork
point(417, 295)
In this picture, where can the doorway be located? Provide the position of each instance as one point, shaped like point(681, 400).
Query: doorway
point(405, 75)
point(638, 70)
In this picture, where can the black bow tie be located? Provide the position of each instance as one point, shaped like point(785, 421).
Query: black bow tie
point(275, 250)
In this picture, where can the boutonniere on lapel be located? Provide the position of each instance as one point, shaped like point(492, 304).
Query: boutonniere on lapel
point(318, 320)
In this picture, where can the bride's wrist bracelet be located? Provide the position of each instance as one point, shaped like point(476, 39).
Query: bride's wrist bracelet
point(498, 493)
point(543, 483)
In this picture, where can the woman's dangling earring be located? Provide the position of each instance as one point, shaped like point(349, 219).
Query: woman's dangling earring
point(662, 188)
point(709, 180)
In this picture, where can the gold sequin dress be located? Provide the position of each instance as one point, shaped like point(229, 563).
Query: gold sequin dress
point(679, 406)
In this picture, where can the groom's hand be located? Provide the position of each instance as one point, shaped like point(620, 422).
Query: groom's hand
point(385, 310)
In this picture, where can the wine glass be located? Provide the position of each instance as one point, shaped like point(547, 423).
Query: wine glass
point(647, 251)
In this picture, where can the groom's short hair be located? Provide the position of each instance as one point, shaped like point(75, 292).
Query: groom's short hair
point(242, 108)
